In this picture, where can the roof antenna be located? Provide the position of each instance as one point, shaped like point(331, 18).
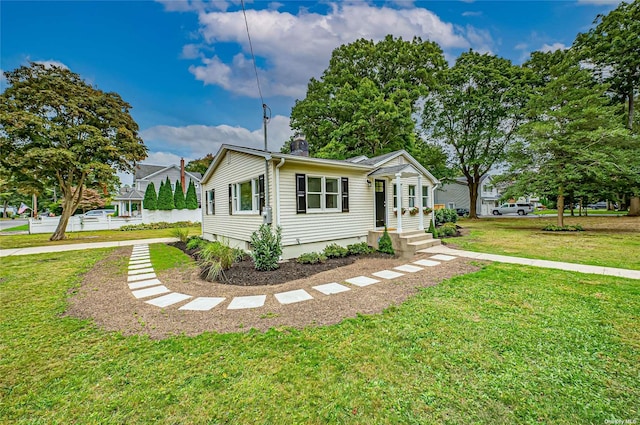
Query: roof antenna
point(266, 213)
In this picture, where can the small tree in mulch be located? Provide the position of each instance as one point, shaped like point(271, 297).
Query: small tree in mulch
point(384, 244)
point(191, 200)
point(165, 197)
point(150, 198)
point(266, 247)
point(432, 228)
point(178, 197)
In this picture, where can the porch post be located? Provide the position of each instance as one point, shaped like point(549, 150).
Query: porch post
point(130, 213)
point(420, 213)
point(399, 210)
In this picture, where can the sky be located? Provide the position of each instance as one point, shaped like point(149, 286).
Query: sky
point(185, 65)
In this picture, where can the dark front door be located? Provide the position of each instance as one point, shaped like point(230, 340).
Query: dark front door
point(381, 203)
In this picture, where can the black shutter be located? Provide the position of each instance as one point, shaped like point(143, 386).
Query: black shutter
point(261, 192)
point(301, 193)
point(345, 194)
point(230, 200)
point(213, 202)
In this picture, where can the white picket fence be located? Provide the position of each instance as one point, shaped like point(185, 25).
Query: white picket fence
point(81, 224)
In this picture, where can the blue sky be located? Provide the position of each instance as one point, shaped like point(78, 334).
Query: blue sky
point(185, 66)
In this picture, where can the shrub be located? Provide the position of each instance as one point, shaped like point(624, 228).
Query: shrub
point(178, 197)
point(432, 229)
point(385, 245)
point(195, 242)
point(335, 251)
point(448, 229)
point(191, 200)
point(359, 249)
point(554, 228)
point(181, 233)
point(215, 258)
point(150, 197)
point(266, 247)
point(445, 215)
point(311, 258)
point(155, 226)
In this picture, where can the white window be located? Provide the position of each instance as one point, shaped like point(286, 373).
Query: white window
point(395, 196)
point(412, 196)
point(451, 205)
point(246, 197)
point(211, 202)
point(323, 193)
point(425, 196)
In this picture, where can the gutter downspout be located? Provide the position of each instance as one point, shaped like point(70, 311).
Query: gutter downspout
point(280, 164)
point(433, 202)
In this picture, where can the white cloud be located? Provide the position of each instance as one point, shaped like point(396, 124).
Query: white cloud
point(521, 46)
point(472, 13)
point(552, 47)
point(49, 63)
point(196, 141)
point(293, 48)
point(190, 51)
point(599, 2)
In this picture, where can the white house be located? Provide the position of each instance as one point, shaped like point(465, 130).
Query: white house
point(317, 201)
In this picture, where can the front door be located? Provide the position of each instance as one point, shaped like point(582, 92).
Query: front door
point(381, 203)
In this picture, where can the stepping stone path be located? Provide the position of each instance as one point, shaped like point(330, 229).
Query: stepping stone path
point(143, 283)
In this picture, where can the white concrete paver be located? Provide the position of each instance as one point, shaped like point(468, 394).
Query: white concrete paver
point(387, 274)
point(140, 257)
point(443, 257)
point(361, 281)
point(291, 297)
point(140, 266)
point(202, 303)
point(137, 277)
point(144, 283)
point(408, 268)
point(140, 271)
point(136, 262)
point(169, 299)
point(252, 301)
point(148, 292)
point(427, 263)
point(331, 288)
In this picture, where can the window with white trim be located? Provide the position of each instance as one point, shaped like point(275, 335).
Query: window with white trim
point(211, 202)
point(323, 193)
point(395, 196)
point(425, 196)
point(246, 196)
point(412, 196)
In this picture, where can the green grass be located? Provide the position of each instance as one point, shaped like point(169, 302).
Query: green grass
point(165, 257)
point(23, 241)
point(505, 345)
point(20, 228)
point(606, 241)
point(589, 211)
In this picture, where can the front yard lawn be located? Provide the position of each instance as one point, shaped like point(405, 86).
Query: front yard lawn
point(606, 241)
point(505, 345)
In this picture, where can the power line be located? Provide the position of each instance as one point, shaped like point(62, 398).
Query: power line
point(255, 68)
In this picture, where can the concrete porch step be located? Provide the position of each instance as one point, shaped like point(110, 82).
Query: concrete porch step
point(415, 237)
point(424, 244)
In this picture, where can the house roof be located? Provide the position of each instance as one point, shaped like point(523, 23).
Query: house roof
point(146, 171)
point(393, 170)
point(367, 164)
point(130, 195)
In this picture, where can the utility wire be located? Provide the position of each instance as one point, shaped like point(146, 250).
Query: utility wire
point(255, 68)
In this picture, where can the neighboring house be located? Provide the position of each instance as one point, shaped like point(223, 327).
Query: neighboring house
point(315, 201)
point(456, 195)
point(130, 199)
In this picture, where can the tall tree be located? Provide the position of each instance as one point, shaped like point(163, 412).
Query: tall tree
point(365, 100)
point(66, 133)
point(178, 197)
point(165, 196)
point(613, 47)
point(150, 201)
point(475, 111)
point(191, 200)
point(572, 138)
point(200, 165)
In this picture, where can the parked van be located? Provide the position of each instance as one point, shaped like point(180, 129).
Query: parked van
point(513, 208)
point(98, 213)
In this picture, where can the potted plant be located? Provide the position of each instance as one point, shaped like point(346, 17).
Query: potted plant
point(395, 211)
point(427, 210)
point(413, 211)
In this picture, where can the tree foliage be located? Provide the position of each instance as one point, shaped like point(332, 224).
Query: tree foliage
point(200, 165)
point(364, 101)
point(91, 199)
point(475, 110)
point(150, 201)
point(178, 197)
point(165, 196)
point(572, 139)
point(60, 131)
point(191, 200)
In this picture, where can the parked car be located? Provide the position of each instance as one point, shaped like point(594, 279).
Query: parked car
point(513, 208)
point(462, 212)
point(98, 213)
point(602, 205)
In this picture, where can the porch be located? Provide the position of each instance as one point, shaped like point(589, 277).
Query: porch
point(406, 243)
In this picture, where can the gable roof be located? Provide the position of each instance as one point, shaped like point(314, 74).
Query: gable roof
point(145, 171)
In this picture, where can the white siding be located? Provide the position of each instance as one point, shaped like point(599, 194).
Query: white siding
point(236, 167)
point(409, 222)
point(313, 227)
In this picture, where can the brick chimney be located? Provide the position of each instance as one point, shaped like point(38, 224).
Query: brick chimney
point(182, 182)
point(299, 146)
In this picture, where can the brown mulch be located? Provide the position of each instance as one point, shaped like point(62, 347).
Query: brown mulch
point(105, 298)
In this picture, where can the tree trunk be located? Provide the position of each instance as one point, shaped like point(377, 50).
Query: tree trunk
point(473, 199)
point(634, 207)
point(560, 208)
point(4, 210)
point(67, 210)
point(631, 110)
